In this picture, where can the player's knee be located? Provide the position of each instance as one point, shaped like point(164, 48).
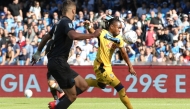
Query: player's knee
point(81, 83)
point(84, 86)
point(101, 85)
point(52, 84)
point(119, 87)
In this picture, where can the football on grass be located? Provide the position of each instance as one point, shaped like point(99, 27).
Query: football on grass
point(28, 93)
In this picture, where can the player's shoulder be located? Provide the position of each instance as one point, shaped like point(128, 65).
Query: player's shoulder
point(104, 31)
point(119, 36)
point(65, 20)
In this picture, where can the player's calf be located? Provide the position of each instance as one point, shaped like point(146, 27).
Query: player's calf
point(54, 93)
point(52, 84)
point(94, 83)
point(123, 97)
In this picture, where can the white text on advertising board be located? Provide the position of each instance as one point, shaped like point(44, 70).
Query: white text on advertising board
point(158, 83)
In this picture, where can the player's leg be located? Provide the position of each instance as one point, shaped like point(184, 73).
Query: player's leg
point(92, 82)
point(106, 76)
point(67, 84)
point(122, 95)
point(98, 69)
point(79, 87)
point(65, 77)
point(52, 90)
point(54, 87)
point(112, 80)
point(60, 70)
point(81, 84)
point(67, 100)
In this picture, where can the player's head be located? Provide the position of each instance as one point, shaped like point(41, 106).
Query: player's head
point(114, 26)
point(69, 9)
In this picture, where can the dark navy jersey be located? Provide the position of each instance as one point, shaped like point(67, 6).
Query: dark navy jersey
point(61, 42)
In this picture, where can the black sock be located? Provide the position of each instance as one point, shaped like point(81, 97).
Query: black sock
point(64, 103)
point(58, 89)
point(54, 94)
point(79, 91)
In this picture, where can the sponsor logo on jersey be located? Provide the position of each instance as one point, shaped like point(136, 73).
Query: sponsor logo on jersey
point(70, 25)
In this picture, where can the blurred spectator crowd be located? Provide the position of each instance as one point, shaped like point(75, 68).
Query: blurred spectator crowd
point(162, 27)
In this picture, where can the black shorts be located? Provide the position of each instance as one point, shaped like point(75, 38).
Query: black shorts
point(61, 71)
point(50, 77)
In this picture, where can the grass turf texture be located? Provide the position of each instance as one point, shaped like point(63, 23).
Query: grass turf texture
point(96, 103)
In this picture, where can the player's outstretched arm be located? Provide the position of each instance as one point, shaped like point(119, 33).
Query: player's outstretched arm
point(36, 56)
point(91, 30)
point(79, 36)
point(126, 58)
point(44, 41)
point(88, 26)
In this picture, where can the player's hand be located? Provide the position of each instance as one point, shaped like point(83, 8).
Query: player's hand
point(35, 57)
point(87, 24)
point(132, 71)
point(97, 32)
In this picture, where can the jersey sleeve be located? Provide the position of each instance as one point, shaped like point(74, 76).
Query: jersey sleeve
point(65, 24)
point(68, 25)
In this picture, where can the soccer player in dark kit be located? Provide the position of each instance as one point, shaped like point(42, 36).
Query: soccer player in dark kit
point(52, 83)
point(62, 36)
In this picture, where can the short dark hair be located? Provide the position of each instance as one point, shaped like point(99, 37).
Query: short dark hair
point(166, 28)
point(111, 21)
point(79, 48)
point(11, 34)
point(175, 41)
point(66, 5)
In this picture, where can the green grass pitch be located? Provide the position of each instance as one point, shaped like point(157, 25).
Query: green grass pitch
point(96, 103)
